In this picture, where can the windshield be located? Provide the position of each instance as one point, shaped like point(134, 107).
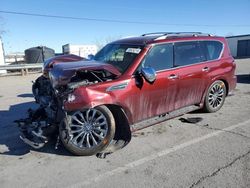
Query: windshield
point(119, 55)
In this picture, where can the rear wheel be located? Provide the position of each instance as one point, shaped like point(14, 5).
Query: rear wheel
point(215, 96)
point(88, 131)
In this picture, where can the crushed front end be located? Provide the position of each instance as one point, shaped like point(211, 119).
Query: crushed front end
point(51, 91)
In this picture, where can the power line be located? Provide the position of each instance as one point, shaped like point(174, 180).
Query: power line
point(114, 21)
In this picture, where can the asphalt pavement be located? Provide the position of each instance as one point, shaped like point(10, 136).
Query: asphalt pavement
point(214, 152)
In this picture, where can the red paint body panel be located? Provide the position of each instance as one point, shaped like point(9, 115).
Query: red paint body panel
point(141, 100)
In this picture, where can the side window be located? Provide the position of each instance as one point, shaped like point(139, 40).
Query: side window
point(160, 57)
point(213, 49)
point(187, 53)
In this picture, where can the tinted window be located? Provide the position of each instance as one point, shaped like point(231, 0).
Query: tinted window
point(160, 57)
point(213, 49)
point(187, 53)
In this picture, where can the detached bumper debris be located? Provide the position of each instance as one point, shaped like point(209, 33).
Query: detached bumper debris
point(34, 129)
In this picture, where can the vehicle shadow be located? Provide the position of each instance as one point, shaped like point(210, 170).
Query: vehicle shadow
point(10, 143)
point(26, 95)
point(243, 78)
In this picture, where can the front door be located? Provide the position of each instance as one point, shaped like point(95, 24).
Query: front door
point(151, 99)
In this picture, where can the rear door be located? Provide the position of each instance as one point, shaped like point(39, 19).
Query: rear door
point(191, 71)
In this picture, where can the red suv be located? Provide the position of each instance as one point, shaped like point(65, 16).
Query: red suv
point(130, 84)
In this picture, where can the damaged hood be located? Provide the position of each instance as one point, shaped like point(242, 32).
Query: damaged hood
point(63, 72)
point(49, 63)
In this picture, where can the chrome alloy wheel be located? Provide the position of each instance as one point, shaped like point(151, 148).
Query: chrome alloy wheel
point(216, 95)
point(88, 128)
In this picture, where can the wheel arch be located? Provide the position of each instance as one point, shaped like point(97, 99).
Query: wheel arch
point(204, 106)
point(210, 83)
point(226, 84)
point(123, 131)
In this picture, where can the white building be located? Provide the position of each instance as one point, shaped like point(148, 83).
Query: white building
point(239, 45)
point(14, 58)
point(2, 62)
point(80, 50)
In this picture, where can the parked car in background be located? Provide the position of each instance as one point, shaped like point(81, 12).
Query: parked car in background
point(130, 84)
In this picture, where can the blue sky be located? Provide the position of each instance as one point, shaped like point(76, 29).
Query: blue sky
point(224, 17)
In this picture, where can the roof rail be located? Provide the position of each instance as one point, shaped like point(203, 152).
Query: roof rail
point(167, 33)
point(182, 34)
point(177, 34)
point(156, 33)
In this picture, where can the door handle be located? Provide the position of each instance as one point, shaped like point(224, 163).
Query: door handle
point(205, 69)
point(173, 77)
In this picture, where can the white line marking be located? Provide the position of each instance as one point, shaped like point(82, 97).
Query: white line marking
point(158, 154)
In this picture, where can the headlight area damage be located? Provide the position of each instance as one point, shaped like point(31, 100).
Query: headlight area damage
point(82, 130)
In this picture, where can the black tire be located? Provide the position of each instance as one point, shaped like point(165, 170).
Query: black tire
point(82, 147)
point(215, 96)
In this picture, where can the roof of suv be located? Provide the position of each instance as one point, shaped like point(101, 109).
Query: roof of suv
point(162, 36)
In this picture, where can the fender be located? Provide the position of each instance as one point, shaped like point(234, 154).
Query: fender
point(85, 97)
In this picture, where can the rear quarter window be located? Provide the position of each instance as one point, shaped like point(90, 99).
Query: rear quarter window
point(213, 49)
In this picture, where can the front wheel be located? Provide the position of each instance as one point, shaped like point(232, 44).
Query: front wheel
point(88, 131)
point(215, 96)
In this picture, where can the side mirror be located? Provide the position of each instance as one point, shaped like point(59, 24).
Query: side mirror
point(149, 74)
point(91, 56)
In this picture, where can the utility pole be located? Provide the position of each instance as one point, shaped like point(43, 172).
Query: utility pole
point(2, 60)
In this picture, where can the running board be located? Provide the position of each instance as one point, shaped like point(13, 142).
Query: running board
point(163, 117)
